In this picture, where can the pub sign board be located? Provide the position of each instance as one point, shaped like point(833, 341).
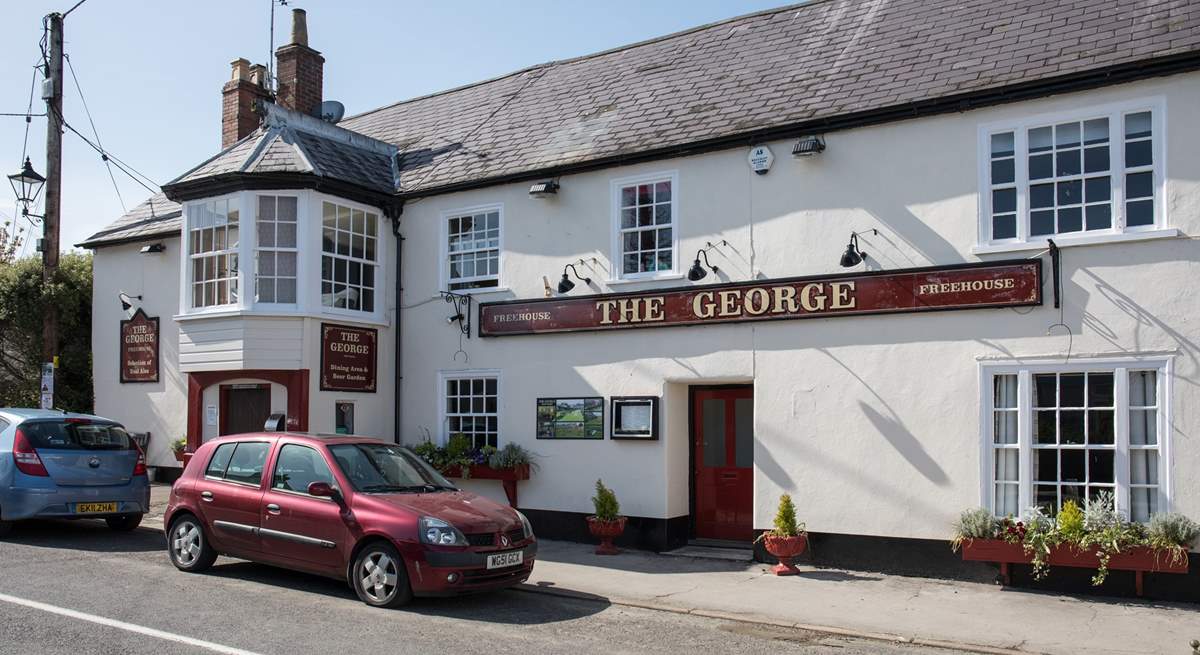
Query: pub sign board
point(139, 348)
point(963, 286)
point(348, 358)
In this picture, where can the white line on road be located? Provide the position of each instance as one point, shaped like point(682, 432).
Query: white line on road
point(113, 623)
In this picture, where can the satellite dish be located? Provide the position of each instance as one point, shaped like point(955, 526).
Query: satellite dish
point(332, 111)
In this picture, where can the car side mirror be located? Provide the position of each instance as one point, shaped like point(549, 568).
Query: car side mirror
point(325, 490)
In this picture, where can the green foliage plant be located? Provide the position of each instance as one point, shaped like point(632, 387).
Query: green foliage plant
point(511, 456)
point(1041, 536)
point(1172, 534)
point(1070, 522)
point(605, 503)
point(975, 523)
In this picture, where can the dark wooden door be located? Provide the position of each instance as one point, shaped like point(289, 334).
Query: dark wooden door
point(723, 462)
point(245, 407)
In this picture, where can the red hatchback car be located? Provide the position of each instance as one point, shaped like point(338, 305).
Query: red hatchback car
point(353, 508)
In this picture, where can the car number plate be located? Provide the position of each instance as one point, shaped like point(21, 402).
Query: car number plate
point(500, 560)
point(95, 508)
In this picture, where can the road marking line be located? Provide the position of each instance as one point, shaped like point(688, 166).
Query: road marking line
point(113, 623)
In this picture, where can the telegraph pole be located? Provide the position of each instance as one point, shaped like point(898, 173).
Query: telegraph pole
point(52, 92)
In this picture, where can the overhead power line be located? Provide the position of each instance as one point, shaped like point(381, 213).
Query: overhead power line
point(95, 132)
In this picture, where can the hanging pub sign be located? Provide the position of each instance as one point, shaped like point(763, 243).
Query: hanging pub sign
point(964, 286)
point(348, 358)
point(139, 348)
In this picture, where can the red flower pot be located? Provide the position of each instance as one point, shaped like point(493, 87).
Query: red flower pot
point(784, 549)
point(606, 531)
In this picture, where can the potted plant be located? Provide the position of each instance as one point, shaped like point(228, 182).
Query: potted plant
point(787, 540)
point(179, 446)
point(607, 523)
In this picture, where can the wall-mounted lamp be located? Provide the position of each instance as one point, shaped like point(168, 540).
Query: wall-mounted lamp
point(854, 255)
point(697, 272)
point(451, 320)
point(152, 248)
point(544, 189)
point(565, 284)
point(808, 146)
point(127, 300)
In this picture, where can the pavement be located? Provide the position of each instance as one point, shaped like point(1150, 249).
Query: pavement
point(888, 609)
point(78, 588)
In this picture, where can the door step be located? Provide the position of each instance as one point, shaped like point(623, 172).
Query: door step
point(742, 553)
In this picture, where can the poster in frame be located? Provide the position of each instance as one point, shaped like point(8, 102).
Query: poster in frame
point(570, 418)
point(635, 418)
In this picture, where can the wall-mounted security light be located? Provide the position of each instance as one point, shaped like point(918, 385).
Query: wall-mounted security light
point(454, 318)
point(565, 284)
point(808, 146)
point(544, 189)
point(152, 248)
point(127, 300)
point(697, 272)
point(462, 310)
point(854, 255)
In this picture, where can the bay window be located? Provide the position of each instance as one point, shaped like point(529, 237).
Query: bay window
point(1055, 434)
point(1090, 173)
point(212, 234)
point(275, 256)
point(349, 247)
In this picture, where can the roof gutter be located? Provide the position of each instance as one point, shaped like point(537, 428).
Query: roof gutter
point(1108, 76)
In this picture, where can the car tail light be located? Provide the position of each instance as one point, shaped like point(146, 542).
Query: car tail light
point(26, 458)
point(139, 467)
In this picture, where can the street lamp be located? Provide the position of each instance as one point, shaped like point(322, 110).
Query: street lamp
point(26, 184)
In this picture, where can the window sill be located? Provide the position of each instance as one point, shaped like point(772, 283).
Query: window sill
point(475, 292)
point(1069, 241)
point(640, 280)
point(259, 313)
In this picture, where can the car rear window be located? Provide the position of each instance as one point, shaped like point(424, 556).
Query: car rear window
point(66, 435)
point(247, 462)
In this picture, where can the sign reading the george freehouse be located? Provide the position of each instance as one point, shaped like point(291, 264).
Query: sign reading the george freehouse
point(1003, 284)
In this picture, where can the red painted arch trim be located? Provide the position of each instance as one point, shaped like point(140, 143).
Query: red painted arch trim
point(295, 381)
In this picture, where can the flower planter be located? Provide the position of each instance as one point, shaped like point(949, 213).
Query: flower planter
point(606, 531)
point(1139, 559)
point(785, 549)
point(179, 456)
point(508, 477)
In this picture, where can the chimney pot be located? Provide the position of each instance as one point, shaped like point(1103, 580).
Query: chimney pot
point(299, 27)
point(241, 68)
point(258, 75)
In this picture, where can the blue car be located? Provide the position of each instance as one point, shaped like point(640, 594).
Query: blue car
point(56, 465)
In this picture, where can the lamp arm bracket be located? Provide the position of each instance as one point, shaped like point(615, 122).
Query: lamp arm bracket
point(462, 307)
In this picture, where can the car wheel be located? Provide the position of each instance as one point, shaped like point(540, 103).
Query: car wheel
point(125, 522)
point(187, 545)
point(379, 577)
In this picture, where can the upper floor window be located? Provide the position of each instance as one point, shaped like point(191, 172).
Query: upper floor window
point(646, 225)
point(472, 251)
point(275, 266)
point(213, 252)
point(1093, 173)
point(349, 246)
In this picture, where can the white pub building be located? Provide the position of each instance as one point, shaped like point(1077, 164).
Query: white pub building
point(895, 259)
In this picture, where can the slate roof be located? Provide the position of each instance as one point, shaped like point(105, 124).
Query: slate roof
point(802, 64)
point(155, 217)
point(813, 67)
point(291, 142)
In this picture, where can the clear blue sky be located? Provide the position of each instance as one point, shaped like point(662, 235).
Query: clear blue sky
point(151, 72)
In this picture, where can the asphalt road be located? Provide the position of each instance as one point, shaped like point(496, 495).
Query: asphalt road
point(76, 587)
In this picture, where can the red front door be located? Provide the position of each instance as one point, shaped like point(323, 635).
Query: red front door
point(723, 462)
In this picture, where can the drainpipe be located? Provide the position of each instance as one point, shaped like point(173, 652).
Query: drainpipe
point(397, 414)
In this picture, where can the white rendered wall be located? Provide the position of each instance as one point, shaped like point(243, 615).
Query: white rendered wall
point(872, 423)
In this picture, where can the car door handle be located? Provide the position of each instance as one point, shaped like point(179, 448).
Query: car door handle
point(206, 496)
point(273, 508)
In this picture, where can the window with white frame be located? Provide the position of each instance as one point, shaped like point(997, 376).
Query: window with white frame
point(276, 253)
point(1093, 173)
point(213, 252)
point(472, 252)
point(471, 408)
point(349, 243)
point(1073, 433)
point(646, 226)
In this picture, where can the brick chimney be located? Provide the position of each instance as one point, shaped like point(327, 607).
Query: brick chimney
point(299, 70)
point(246, 86)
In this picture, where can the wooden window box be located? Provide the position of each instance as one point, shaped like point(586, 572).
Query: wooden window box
point(508, 477)
point(1140, 559)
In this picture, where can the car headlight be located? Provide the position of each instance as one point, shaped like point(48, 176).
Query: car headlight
point(440, 533)
point(525, 523)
